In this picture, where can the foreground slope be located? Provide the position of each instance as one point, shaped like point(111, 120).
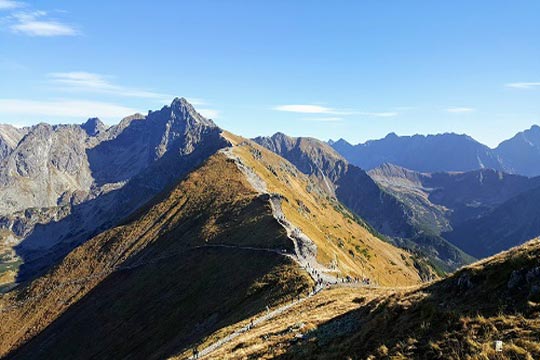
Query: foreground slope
point(456, 318)
point(233, 237)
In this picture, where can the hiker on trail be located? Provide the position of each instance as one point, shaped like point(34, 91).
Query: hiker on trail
point(195, 353)
point(251, 324)
point(267, 308)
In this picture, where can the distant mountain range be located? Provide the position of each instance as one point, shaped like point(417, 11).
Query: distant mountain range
point(447, 152)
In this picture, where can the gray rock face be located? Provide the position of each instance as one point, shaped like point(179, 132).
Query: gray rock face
point(93, 126)
point(47, 162)
point(9, 138)
point(431, 153)
point(60, 185)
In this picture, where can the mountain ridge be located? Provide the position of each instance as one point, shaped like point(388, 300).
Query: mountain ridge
point(357, 190)
point(447, 152)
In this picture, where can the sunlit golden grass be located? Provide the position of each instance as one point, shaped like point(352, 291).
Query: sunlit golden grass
point(340, 240)
point(450, 319)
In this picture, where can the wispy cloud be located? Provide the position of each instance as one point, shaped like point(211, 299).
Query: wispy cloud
point(523, 85)
point(63, 108)
point(9, 4)
point(380, 114)
point(10, 65)
point(38, 23)
point(91, 82)
point(306, 109)
point(460, 110)
point(324, 119)
point(317, 109)
point(87, 82)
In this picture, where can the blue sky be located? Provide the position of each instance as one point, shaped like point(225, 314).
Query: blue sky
point(351, 69)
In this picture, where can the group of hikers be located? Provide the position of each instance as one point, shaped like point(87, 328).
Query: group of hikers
point(355, 280)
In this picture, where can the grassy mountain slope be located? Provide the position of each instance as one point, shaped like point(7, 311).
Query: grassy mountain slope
point(387, 211)
point(342, 239)
point(448, 319)
point(201, 257)
point(150, 279)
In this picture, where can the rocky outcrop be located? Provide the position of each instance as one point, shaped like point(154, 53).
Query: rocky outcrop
point(9, 138)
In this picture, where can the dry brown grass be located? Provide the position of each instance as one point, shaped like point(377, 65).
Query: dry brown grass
point(272, 338)
point(340, 240)
point(213, 205)
point(450, 319)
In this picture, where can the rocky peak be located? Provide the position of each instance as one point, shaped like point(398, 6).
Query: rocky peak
point(182, 109)
point(93, 126)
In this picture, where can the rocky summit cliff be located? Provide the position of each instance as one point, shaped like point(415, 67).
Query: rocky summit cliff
point(521, 153)
point(62, 184)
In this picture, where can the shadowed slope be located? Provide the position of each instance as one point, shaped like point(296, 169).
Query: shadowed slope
point(158, 280)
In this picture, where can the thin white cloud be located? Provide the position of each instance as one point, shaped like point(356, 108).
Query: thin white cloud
point(380, 114)
point(523, 85)
point(92, 82)
point(9, 4)
point(306, 109)
point(63, 108)
point(10, 65)
point(316, 109)
point(325, 119)
point(459, 110)
point(37, 23)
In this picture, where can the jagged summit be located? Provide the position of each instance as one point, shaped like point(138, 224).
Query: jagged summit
point(182, 108)
point(93, 126)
